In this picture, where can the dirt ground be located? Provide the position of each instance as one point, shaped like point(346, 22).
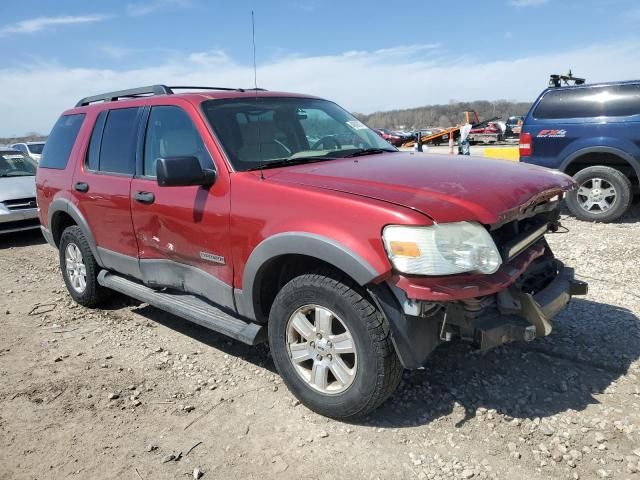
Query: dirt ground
point(114, 393)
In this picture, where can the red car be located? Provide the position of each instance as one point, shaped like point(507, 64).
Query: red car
point(273, 215)
point(393, 139)
point(491, 133)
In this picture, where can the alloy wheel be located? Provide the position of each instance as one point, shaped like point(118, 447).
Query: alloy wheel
point(76, 269)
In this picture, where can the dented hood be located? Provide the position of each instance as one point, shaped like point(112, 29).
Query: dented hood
point(445, 188)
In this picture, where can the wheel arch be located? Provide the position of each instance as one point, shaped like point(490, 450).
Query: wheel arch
point(62, 214)
point(295, 252)
point(602, 155)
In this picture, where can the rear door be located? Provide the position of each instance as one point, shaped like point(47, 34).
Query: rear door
point(182, 232)
point(102, 187)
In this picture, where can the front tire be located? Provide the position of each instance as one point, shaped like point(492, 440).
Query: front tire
point(603, 194)
point(80, 269)
point(331, 346)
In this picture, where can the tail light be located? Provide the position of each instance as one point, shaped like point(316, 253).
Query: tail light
point(526, 144)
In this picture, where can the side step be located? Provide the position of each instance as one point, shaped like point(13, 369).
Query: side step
point(188, 307)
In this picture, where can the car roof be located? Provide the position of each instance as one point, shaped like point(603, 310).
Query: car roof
point(592, 85)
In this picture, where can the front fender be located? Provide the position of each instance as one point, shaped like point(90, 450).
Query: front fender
point(298, 243)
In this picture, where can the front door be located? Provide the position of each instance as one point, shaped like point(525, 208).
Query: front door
point(182, 232)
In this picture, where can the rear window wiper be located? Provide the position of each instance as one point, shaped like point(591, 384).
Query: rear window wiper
point(368, 151)
point(289, 161)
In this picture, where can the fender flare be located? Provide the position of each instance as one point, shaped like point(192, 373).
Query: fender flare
point(601, 149)
point(297, 243)
point(66, 206)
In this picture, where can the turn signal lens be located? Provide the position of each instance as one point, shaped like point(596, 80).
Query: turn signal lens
point(404, 249)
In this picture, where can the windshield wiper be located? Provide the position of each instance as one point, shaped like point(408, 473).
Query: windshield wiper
point(289, 161)
point(368, 151)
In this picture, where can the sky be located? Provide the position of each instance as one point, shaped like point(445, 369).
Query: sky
point(365, 55)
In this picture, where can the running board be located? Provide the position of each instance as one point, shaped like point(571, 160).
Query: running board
point(188, 307)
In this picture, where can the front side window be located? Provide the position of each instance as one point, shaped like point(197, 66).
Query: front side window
point(16, 164)
point(272, 131)
point(36, 148)
point(171, 133)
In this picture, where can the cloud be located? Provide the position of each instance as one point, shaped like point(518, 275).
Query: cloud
point(140, 9)
point(35, 95)
point(527, 3)
point(42, 23)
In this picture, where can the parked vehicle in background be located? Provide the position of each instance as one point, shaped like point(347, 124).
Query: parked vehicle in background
point(32, 149)
point(18, 208)
point(513, 126)
point(390, 137)
point(489, 133)
point(353, 259)
point(591, 132)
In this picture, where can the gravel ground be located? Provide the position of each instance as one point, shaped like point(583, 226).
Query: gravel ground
point(132, 392)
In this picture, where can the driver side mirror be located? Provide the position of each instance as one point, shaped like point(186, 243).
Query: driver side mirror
point(183, 172)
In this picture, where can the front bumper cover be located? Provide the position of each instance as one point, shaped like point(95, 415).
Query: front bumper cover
point(522, 316)
point(515, 316)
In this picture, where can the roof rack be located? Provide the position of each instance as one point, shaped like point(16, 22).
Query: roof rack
point(150, 90)
point(556, 80)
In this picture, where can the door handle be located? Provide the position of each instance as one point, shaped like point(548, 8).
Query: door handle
point(145, 197)
point(81, 187)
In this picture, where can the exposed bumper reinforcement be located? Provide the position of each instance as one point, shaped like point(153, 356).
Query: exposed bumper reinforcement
point(523, 316)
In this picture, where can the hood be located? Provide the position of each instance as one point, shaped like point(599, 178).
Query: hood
point(12, 188)
point(445, 188)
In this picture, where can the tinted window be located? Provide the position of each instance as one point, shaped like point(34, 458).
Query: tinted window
point(609, 101)
point(171, 133)
point(118, 147)
point(36, 148)
point(60, 142)
point(16, 164)
point(93, 155)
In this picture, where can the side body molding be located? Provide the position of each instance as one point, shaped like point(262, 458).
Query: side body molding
point(297, 243)
point(66, 206)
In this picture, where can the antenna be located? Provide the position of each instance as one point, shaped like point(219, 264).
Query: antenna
point(253, 39)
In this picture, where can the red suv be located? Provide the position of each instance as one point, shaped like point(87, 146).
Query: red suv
point(281, 217)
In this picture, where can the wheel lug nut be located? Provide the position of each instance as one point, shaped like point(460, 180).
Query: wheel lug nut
point(319, 336)
point(312, 344)
point(330, 357)
point(319, 357)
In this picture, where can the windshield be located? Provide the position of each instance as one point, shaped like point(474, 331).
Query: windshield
point(15, 164)
point(36, 148)
point(257, 132)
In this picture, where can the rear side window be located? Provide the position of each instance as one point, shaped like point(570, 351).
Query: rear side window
point(118, 146)
point(60, 142)
point(605, 101)
point(93, 155)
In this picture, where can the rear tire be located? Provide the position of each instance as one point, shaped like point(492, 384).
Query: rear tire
point(373, 369)
point(603, 195)
point(80, 269)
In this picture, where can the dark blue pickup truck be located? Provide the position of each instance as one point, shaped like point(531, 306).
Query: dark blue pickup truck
point(591, 132)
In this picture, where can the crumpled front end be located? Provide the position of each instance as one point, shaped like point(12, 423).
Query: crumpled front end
point(516, 303)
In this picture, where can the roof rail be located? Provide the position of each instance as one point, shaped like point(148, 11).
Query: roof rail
point(131, 92)
point(149, 91)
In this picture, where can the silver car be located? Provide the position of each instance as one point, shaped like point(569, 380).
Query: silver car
point(32, 149)
point(18, 207)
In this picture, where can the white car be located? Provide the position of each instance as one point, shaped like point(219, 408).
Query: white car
point(18, 207)
point(32, 149)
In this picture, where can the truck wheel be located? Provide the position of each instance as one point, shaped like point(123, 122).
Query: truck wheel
point(603, 194)
point(79, 268)
point(331, 346)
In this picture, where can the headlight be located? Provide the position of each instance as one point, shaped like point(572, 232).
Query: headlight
point(443, 249)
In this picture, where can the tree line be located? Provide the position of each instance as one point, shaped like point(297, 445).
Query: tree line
point(443, 115)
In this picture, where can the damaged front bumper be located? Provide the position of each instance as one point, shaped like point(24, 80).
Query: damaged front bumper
point(519, 305)
point(522, 316)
